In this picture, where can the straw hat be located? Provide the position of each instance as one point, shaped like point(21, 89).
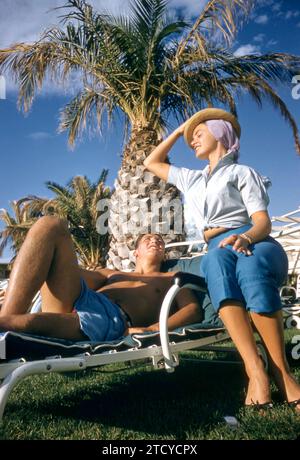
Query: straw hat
point(209, 114)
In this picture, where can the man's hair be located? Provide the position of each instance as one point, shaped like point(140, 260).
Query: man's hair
point(138, 240)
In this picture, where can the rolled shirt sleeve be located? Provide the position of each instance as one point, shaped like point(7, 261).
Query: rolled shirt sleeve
point(253, 189)
point(182, 178)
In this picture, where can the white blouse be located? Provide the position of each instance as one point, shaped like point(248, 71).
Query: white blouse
point(226, 198)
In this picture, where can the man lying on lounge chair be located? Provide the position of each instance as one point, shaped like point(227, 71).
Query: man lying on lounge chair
point(78, 304)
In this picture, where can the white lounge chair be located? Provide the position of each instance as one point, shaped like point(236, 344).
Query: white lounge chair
point(286, 230)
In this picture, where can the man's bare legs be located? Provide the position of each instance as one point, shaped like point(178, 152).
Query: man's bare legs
point(237, 322)
point(270, 329)
point(46, 261)
point(47, 256)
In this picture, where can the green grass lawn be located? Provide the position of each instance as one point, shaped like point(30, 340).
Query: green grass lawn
point(124, 402)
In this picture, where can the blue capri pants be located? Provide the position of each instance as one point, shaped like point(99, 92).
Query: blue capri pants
point(253, 280)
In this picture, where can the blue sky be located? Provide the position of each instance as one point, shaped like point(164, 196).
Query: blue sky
point(32, 152)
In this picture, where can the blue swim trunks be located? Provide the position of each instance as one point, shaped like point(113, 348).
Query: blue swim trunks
point(100, 319)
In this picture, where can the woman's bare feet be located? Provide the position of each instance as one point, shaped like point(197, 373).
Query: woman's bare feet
point(289, 388)
point(258, 387)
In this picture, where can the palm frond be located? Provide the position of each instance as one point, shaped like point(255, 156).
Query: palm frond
point(16, 227)
point(145, 16)
point(58, 189)
point(260, 89)
point(84, 109)
point(226, 16)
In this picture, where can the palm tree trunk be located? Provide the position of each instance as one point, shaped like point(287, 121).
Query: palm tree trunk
point(141, 203)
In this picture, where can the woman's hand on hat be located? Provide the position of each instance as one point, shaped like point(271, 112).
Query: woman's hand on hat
point(238, 243)
point(180, 129)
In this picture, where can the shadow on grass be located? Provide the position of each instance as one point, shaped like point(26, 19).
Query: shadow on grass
point(163, 405)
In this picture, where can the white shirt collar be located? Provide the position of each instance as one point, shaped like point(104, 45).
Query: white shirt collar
point(227, 159)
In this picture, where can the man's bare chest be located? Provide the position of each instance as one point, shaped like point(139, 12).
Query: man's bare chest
point(145, 289)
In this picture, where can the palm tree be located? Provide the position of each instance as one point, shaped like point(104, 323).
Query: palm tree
point(78, 202)
point(146, 67)
point(16, 226)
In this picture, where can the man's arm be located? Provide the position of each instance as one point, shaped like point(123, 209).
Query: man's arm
point(188, 312)
point(95, 279)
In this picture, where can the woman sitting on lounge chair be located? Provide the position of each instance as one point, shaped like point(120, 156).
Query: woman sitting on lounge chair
point(244, 266)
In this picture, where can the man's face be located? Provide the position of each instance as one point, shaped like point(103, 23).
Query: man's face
point(151, 245)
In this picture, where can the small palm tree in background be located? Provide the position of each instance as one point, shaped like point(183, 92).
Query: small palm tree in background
point(78, 202)
point(146, 66)
point(16, 227)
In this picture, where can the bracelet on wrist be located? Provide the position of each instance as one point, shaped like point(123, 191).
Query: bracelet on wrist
point(247, 237)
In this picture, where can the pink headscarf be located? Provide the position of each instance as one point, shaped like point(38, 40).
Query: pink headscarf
point(223, 131)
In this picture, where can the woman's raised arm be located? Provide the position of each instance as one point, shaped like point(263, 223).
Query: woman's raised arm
point(156, 161)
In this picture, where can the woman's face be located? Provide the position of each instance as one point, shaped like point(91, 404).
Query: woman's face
point(203, 142)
